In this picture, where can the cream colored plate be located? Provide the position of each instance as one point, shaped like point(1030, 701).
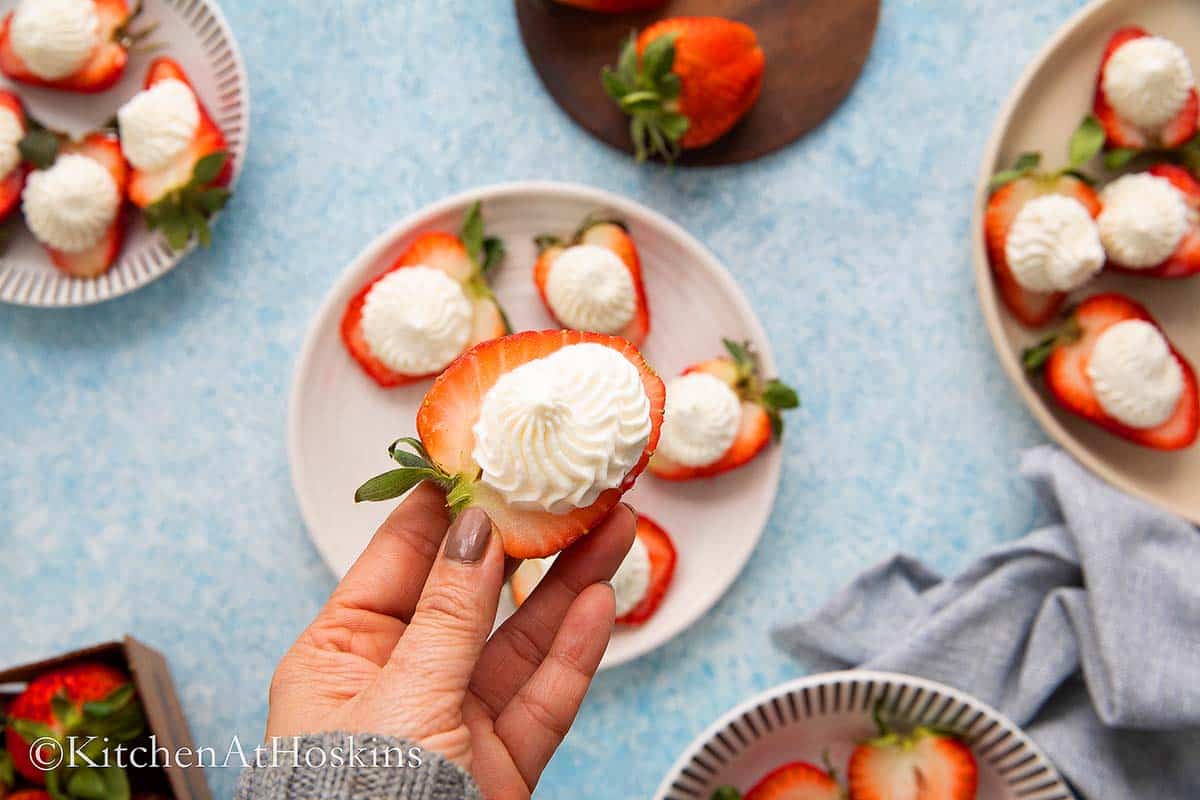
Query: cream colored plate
point(340, 422)
point(1045, 107)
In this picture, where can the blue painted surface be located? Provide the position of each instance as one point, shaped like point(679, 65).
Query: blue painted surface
point(143, 478)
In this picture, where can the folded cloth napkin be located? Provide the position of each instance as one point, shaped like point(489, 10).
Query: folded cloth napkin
point(1085, 633)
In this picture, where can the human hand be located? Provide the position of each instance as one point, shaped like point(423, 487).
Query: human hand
point(402, 646)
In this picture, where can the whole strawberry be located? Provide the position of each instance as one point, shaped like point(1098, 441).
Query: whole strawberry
point(82, 700)
point(685, 82)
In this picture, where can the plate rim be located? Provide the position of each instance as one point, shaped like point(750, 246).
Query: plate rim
point(239, 163)
point(352, 274)
point(844, 676)
point(986, 295)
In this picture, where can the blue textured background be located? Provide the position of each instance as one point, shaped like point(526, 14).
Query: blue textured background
point(143, 478)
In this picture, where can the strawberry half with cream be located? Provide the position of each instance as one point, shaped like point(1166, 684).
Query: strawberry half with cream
point(720, 414)
point(429, 307)
point(73, 45)
point(543, 430)
point(180, 160)
point(13, 170)
point(593, 282)
point(1112, 365)
point(1042, 239)
point(1150, 222)
point(74, 202)
point(798, 780)
point(639, 584)
point(1145, 94)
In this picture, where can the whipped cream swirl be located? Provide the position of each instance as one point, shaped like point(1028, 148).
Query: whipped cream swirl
point(1143, 221)
point(416, 320)
point(1136, 377)
point(590, 289)
point(1053, 245)
point(157, 124)
point(1147, 81)
point(71, 205)
point(701, 420)
point(556, 432)
point(55, 38)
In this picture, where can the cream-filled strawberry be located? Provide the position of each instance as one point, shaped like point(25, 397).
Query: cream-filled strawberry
point(431, 305)
point(73, 204)
point(1145, 92)
point(543, 430)
point(181, 162)
point(720, 414)
point(593, 281)
point(1150, 223)
point(71, 45)
point(13, 126)
point(1112, 365)
point(639, 584)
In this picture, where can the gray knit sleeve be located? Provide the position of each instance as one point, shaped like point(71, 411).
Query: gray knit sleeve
point(342, 766)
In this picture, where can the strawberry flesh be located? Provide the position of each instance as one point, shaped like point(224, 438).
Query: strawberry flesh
point(1122, 133)
point(97, 259)
point(923, 766)
point(798, 780)
point(102, 70)
point(662, 570)
point(12, 184)
point(1185, 261)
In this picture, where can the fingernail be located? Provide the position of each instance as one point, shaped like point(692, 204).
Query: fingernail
point(632, 510)
point(467, 539)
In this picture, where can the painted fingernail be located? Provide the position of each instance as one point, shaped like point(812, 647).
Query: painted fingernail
point(467, 539)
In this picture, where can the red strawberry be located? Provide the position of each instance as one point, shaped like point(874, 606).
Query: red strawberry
point(1064, 357)
point(28, 794)
point(614, 6)
point(12, 184)
point(924, 764)
point(685, 82)
point(611, 236)
point(1016, 188)
point(466, 259)
point(1124, 134)
point(443, 454)
point(798, 780)
point(85, 699)
point(1185, 261)
point(106, 64)
point(762, 402)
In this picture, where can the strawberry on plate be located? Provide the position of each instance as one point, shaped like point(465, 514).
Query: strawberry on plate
point(12, 183)
point(81, 700)
point(590, 291)
point(1011, 191)
point(923, 764)
point(662, 570)
point(182, 197)
point(740, 421)
point(797, 780)
point(102, 68)
point(493, 377)
point(685, 82)
point(614, 6)
point(1068, 360)
point(1185, 260)
point(466, 259)
point(29, 794)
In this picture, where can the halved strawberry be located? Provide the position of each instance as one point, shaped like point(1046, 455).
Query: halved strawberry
point(106, 64)
point(467, 259)
point(1125, 135)
point(1185, 261)
point(763, 400)
point(797, 780)
point(13, 183)
point(923, 764)
point(1064, 357)
point(610, 235)
point(444, 452)
point(614, 6)
point(1015, 188)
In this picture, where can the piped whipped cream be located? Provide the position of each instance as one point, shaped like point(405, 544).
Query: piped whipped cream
point(701, 420)
point(416, 320)
point(1143, 221)
point(11, 133)
point(1147, 81)
point(630, 582)
point(589, 288)
point(55, 38)
point(556, 432)
point(71, 205)
point(1136, 377)
point(1054, 245)
point(157, 124)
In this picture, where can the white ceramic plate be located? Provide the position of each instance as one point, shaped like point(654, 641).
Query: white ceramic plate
point(194, 33)
point(1045, 107)
point(340, 422)
point(803, 719)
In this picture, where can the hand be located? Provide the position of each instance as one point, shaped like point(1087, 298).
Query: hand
point(402, 646)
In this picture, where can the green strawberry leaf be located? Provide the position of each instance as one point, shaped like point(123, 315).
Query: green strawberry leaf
point(391, 484)
point(207, 169)
point(493, 253)
point(776, 420)
point(1119, 158)
point(740, 353)
point(39, 147)
point(1028, 161)
point(779, 395)
point(647, 90)
point(407, 459)
point(1086, 142)
point(627, 64)
point(658, 58)
point(99, 783)
point(117, 700)
point(31, 731)
point(472, 233)
point(65, 712)
point(545, 241)
point(417, 446)
point(726, 793)
point(186, 211)
point(8, 773)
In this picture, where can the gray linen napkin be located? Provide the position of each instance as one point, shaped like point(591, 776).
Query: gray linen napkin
point(1085, 633)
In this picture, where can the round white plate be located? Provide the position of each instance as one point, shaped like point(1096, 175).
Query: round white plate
point(340, 422)
point(1047, 104)
point(803, 719)
point(194, 33)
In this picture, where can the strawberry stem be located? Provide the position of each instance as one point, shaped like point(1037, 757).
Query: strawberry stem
point(416, 466)
point(645, 87)
point(1034, 358)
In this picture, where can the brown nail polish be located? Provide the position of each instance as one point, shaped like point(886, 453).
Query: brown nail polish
point(467, 539)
